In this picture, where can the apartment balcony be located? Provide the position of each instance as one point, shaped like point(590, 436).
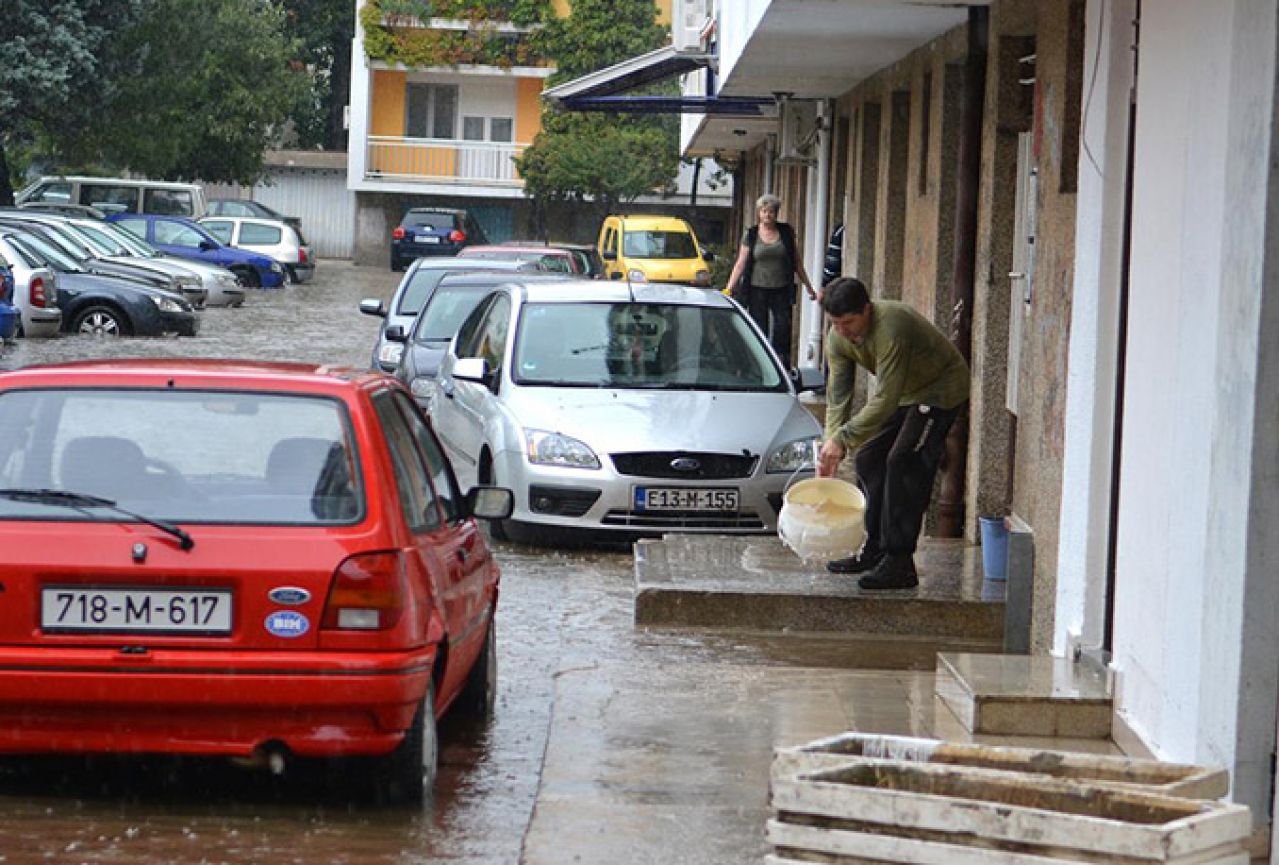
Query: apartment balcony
point(442, 160)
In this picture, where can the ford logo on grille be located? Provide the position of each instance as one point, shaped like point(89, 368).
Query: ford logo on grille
point(685, 464)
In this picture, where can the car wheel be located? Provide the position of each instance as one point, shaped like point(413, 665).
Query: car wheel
point(247, 277)
point(101, 320)
point(479, 694)
point(407, 774)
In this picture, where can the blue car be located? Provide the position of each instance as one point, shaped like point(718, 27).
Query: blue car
point(182, 237)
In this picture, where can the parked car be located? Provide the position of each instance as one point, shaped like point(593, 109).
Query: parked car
point(118, 195)
point(64, 209)
point(623, 410)
point(296, 576)
point(432, 231)
point(92, 258)
point(414, 290)
point(188, 239)
point(652, 249)
point(35, 289)
point(249, 207)
point(270, 237)
point(101, 305)
point(434, 327)
point(586, 257)
point(549, 259)
point(221, 286)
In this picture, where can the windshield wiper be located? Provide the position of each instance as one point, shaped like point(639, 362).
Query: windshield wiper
point(66, 498)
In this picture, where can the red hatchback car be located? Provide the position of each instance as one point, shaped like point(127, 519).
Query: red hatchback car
point(252, 560)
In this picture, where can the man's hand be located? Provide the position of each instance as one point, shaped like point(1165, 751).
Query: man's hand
point(829, 458)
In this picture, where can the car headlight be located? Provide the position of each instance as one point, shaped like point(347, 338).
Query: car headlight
point(702, 277)
point(227, 280)
point(189, 282)
point(793, 456)
point(389, 353)
point(636, 275)
point(552, 449)
point(169, 304)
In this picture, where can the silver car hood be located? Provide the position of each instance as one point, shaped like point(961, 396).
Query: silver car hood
point(614, 420)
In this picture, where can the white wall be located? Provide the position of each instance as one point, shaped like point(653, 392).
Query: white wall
point(737, 21)
point(1205, 109)
point(1094, 329)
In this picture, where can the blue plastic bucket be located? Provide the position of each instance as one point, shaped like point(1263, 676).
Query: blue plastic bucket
point(994, 548)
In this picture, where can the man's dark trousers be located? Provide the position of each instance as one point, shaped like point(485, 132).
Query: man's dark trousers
point(895, 468)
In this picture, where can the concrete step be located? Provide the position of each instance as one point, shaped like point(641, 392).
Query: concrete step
point(756, 583)
point(1023, 695)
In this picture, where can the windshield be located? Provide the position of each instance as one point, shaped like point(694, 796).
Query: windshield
point(658, 244)
point(104, 240)
point(448, 308)
point(181, 456)
point(421, 283)
point(130, 241)
point(47, 253)
point(639, 345)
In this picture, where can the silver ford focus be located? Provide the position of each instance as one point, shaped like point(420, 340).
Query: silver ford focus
point(623, 410)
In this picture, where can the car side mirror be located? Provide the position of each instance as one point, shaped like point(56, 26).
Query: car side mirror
point(609, 255)
point(208, 245)
point(808, 378)
point(707, 255)
point(395, 333)
point(490, 503)
point(473, 369)
point(373, 306)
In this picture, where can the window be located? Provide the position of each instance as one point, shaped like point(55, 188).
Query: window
point(473, 128)
point(219, 229)
point(169, 202)
point(436, 463)
point(177, 234)
point(492, 336)
point(469, 333)
point(264, 235)
point(501, 129)
point(59, 191)
point(431, 111)
point(110, 199)
point(411, 479)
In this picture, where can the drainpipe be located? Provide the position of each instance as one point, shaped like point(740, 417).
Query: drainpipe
point(770, 157)
point(950, 499)
point(819, 209)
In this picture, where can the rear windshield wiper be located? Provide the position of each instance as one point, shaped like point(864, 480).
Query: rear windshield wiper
point(66, 498)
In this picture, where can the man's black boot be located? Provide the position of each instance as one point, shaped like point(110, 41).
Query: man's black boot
point(894, 571)
point(858, 564)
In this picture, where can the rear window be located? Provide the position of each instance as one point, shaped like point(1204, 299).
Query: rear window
point(264, 235)
point(428, 219)
point(182, 456)
point(169, 202)
point(658, 244)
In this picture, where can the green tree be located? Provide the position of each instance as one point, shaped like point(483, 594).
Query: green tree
point(53, 75)
point(607, 158)
point(322, 30)
point(213, 84)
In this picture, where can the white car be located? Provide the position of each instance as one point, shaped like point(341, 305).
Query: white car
point(221, 284)
point(623, 411)
point(273, 237)
point(35, 288)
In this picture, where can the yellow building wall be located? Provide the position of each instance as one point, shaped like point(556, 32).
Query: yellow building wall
point(528, 109)
point(663, 11)
point(387, 118)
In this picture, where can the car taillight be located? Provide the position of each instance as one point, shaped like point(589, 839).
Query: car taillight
point(37, 293)
point(398, 234)
point(301, 255)
point(457, 236)
point(368, 593)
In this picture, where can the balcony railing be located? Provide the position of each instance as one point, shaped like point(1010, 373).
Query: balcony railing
point(444, 160)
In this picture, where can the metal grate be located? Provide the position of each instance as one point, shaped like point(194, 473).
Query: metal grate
point(695, 466)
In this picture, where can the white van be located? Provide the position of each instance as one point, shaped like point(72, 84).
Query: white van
point(119, 195)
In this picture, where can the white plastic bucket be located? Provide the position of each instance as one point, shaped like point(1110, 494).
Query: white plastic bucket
point(823, 518)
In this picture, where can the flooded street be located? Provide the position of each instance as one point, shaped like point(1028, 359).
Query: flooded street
point(594, 718)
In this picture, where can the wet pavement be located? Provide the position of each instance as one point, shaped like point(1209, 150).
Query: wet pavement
point(610, 743)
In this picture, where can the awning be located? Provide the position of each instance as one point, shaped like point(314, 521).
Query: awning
point(601, 90)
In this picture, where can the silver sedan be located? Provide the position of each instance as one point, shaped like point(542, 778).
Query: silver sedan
point(623, 411)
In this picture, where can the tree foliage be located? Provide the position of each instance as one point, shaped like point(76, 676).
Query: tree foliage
point(606, 157)
point(322, 31)
point(170, 89)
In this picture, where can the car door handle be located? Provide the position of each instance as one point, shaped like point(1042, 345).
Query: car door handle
point(446, 388)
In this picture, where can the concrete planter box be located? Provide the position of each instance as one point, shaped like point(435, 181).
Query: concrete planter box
point(877, 811)
point(1169, 779)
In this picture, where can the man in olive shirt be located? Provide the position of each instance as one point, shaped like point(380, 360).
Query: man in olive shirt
point(900, 434)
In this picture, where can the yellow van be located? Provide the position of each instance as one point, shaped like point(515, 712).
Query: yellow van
point(652, 249)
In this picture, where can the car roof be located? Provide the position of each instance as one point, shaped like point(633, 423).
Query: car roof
point(553, 289)
point(193, 373)
point(119, 181)
point(450, 262)
point(502, 278)
point(661, 223)
point(515, 249)
point(260, 220)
